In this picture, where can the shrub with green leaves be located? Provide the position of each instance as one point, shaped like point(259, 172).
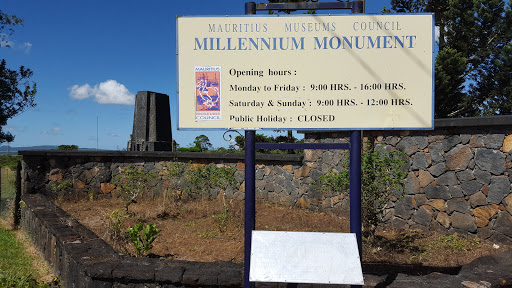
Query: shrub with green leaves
point(143, 242)
point(382, 175)
point(133, 182)
point(114, 223)
point(60, 189)
point(204, 179)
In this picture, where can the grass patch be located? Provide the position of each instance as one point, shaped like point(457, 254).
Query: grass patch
point(9, 161)
point(16, 268)
point(8, 192)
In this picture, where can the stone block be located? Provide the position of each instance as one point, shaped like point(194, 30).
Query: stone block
point(458, 158)
point(420, 160)
point(437, 169)
point(507, 144)
point(499, 188)
point(443, 219)
point(465, 175)
point(412, 184)
point(437, 192)
point(288, 168)
point(269, 186)
point(398, 223)
point(463, 222)
point(424, 178)
point(55, 175)
point(77, 184)
point(483, 233)
point(439, 204)
point(422, 141)
point(106, 188)
point(422, 217)
point(259, 174)
point(484, 213)
point(419, 199)
point(477, 199)
point(494, 141)
point(436, 152)
point(490, 160)
point(476, 141)
point(483, 177)
point(456, 191)
point(447, 179)
point(504, 223)
point(471, 187)
point(302, 172)
point(310, 155)
point(508, 203)
point(407, 145)
point(404, 207)
point(451, 142)
point(459, 205)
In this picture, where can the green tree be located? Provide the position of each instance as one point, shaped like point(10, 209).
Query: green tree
point(473, 64)
point(67, 147)
point(203, 143)
point(16, 91)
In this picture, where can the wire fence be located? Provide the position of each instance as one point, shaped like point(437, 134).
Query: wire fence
point(7, 192)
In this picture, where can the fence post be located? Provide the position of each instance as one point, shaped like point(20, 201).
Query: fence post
point(17, 198)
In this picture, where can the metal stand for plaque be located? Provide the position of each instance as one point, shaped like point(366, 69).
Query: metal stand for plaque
point(251, 145)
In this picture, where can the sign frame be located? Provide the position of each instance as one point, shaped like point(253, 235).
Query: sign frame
point(429, 126)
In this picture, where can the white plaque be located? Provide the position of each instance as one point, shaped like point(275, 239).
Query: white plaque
point(305, 257)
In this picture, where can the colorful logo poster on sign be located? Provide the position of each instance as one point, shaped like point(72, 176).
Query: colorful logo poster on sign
point(207, 93)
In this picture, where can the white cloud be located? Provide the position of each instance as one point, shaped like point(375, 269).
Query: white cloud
point(15, 129)
point(436, 34)
point(108, 92)
point(80, 92)
point(27, 47)
point(53, 132)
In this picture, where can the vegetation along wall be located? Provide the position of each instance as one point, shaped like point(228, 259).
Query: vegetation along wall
point(458, 176)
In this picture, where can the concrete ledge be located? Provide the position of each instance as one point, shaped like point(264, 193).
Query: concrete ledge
point(474, 122)
point(82, 259)
point(296, 158)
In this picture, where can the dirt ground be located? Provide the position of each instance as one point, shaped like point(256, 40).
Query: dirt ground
point(212, 230)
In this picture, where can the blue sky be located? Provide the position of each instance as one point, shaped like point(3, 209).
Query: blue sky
point(91, 57)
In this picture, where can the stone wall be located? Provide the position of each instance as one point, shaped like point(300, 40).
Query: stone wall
point(81, 259)
point(93, 172)
point(459, 179)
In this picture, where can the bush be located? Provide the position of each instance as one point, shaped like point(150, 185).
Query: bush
point(133, 182)
point(382, 175)
point(143, 242)
point(67, 147)
point(204, 179)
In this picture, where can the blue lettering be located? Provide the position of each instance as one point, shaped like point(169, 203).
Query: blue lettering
point(198, 44)
point(296, 45)
point(319, 45)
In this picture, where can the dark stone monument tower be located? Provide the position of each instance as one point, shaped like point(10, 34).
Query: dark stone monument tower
point(151, 123)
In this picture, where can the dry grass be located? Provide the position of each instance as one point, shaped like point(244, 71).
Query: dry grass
point(212, 230)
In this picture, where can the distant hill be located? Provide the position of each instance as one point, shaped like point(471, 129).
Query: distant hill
point(14, 150)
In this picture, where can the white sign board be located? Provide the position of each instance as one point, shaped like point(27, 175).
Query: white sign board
point(306, 72)
point(305, 257)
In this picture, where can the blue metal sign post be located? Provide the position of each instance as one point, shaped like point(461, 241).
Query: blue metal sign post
point(251, 145)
